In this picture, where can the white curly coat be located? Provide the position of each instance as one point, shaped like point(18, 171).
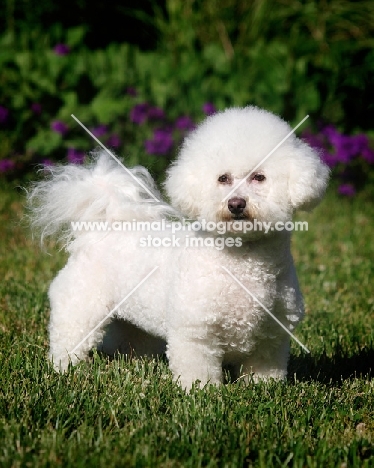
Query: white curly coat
point(190, 305)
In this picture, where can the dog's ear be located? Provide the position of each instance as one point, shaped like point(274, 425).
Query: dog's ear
point(308, 177)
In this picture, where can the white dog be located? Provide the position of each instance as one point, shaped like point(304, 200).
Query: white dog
point(206, 301)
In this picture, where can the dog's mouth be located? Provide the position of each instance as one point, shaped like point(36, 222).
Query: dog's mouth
point(239, 216)
point(228, 216)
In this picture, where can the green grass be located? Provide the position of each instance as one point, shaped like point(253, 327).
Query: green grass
point(130, 413)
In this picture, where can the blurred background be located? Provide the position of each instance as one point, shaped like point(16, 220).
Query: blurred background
point(140, 74)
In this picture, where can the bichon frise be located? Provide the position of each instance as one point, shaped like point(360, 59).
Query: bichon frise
point(213, 292)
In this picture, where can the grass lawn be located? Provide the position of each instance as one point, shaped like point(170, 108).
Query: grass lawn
point(129, 413)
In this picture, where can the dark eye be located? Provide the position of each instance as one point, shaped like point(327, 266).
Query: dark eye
point(259, 177)
point(224, 179)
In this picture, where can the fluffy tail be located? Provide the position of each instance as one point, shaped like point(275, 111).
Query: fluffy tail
point(101, 191)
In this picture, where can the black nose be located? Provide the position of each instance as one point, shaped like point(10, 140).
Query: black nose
point(236, 205)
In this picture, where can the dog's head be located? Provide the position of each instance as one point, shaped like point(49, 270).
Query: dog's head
point(233, 167)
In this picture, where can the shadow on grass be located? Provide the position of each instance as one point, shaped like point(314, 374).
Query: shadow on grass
point(332, 369)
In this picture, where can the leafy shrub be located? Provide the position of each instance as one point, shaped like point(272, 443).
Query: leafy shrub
point(295, 58)
point(299, 58)
point(44, 85)
point(97, 16)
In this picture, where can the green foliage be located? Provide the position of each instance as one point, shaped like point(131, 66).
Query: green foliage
point(128, 412)
point(293, 58)
point(92, 85)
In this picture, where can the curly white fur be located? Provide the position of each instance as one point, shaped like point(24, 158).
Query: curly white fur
point(97, 192)
point(190, 304)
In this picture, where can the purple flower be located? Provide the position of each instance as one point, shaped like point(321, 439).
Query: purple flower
point(329, 159)
point(184, 123)
point(4, 113)
point(139, 113)
point(209, 108)
point(331, 133)
point(347, 190)
point(61, 49)
point(360, 142)
point(114, 141)
point(75, 156)
point(36, 108)
point(368, 155)
point(336, 148)
point(315, 141)
point(347, 148)
point(99, 131)
point(156, 113)
point(59, 127)
point(6, 165)
point(131, 91)
point(161, 143)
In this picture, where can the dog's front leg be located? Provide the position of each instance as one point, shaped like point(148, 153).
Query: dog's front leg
point(194, 360)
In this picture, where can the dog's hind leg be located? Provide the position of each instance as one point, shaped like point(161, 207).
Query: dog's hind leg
point(78, 312)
